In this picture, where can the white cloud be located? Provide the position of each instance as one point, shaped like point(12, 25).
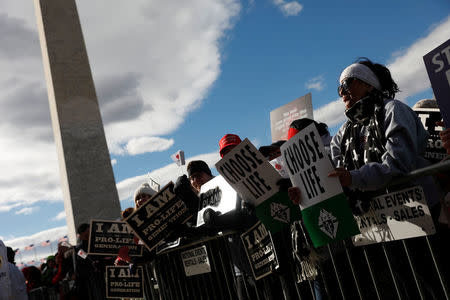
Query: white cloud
point(408, 68)
point(60, 216)
point(113, 162)
point(288, 9)
point(27, 210)
point(52, 234)
point(147, 81)
point(316, 83)
point(148, 144)
point(162, 176)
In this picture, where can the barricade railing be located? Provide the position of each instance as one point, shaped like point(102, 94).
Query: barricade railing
point(43, 293)
point(414, 268)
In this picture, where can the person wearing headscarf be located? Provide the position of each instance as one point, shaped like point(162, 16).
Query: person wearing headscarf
point(382, 138)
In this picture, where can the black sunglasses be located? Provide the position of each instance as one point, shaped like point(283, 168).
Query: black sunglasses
point(344, 87)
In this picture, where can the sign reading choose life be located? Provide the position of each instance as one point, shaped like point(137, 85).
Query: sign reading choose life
point(255, 179)
point(326, 213)
point(157, 218)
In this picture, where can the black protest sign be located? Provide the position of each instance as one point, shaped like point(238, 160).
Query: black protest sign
point(435, 152)
point(107, 237)
point(395, 216)
point(282, 117)
point(249, 173)
point(437, 62)
point(260, 250)
point(158, 217)
point(218, 195)
point(121, 283)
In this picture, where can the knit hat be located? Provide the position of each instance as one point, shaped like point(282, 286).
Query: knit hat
point(300, 124)
point(266, 150)
point(228, 140)
point(50, 257)
point(144, 189)
point(198, 166)
point(363, 73)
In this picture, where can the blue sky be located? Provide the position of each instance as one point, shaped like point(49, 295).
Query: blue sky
point(178, 75)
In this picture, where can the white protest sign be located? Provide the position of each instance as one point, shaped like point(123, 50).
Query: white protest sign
point(196, 261)
point(218, 195)
point(249, 173)
point(395, 216)
point(308, 165)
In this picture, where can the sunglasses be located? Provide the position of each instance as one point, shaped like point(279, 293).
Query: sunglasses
point(345, 86)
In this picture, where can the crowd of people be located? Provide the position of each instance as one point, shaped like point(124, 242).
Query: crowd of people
point(381, 140)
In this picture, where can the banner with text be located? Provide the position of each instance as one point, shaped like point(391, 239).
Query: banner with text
point(325, 210)
point(218, 195)
point(395, 216)
point(107, 237)
point(260, 250)
point(196, 261)
point(157, 218)
point(121, 283)
point(435, 152)
point(282, 117)
point(437, 62)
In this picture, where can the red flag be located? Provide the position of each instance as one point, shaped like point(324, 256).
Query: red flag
point(178, 158)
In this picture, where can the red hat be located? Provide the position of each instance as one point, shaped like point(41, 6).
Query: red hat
point(228, 140)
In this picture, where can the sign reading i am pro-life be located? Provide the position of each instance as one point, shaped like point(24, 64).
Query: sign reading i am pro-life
point(121, 283)
point(325, 210)
point(107, 237)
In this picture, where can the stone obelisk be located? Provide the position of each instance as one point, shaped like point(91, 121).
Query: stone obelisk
point(88, 184)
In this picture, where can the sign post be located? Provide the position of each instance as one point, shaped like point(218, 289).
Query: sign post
point(326, 213)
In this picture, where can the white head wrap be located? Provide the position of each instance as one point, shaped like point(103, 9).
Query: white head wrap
point(144, 189)
point(363, 73)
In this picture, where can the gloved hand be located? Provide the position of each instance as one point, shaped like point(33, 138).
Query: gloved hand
point(284, 184)
point(210, 217)
point(183, 189)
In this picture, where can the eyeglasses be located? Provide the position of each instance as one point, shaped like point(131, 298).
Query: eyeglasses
point(345, 86)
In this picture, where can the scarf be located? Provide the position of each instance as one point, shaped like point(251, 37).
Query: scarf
point(358, 150)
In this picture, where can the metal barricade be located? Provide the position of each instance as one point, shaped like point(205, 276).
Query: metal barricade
point(415, 268)
point(43, 293)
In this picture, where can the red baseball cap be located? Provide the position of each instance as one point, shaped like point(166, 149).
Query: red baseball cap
point(228, 140)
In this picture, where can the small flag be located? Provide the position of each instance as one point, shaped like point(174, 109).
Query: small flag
point(178, 158)
point(46, 243)
point(30, 262)
point(29, 247)
point(42, 260)
point(63, 239)
point(17, 250)
point(20, 265)
point(82, 254)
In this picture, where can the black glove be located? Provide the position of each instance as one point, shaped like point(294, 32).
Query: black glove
point(210, 217)
point(284, 184)
point(183, 189)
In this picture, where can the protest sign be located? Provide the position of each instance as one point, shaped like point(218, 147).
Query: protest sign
point(218, 195)
point(249, 173)
point(121, 283)
point(437, 62)
point(157, 218)
point(435, 152)
point(260, 250)
point(395, 216)
point(107, 237)
point(326, 213)
point(255, 179)
point(195, 261)
point(282, 117)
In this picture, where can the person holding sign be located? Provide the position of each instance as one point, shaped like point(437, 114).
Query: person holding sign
point(383, 138)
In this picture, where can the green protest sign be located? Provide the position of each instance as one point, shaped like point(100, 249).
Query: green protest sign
point(325, 210)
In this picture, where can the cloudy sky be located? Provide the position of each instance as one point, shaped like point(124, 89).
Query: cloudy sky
point(176, 75)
